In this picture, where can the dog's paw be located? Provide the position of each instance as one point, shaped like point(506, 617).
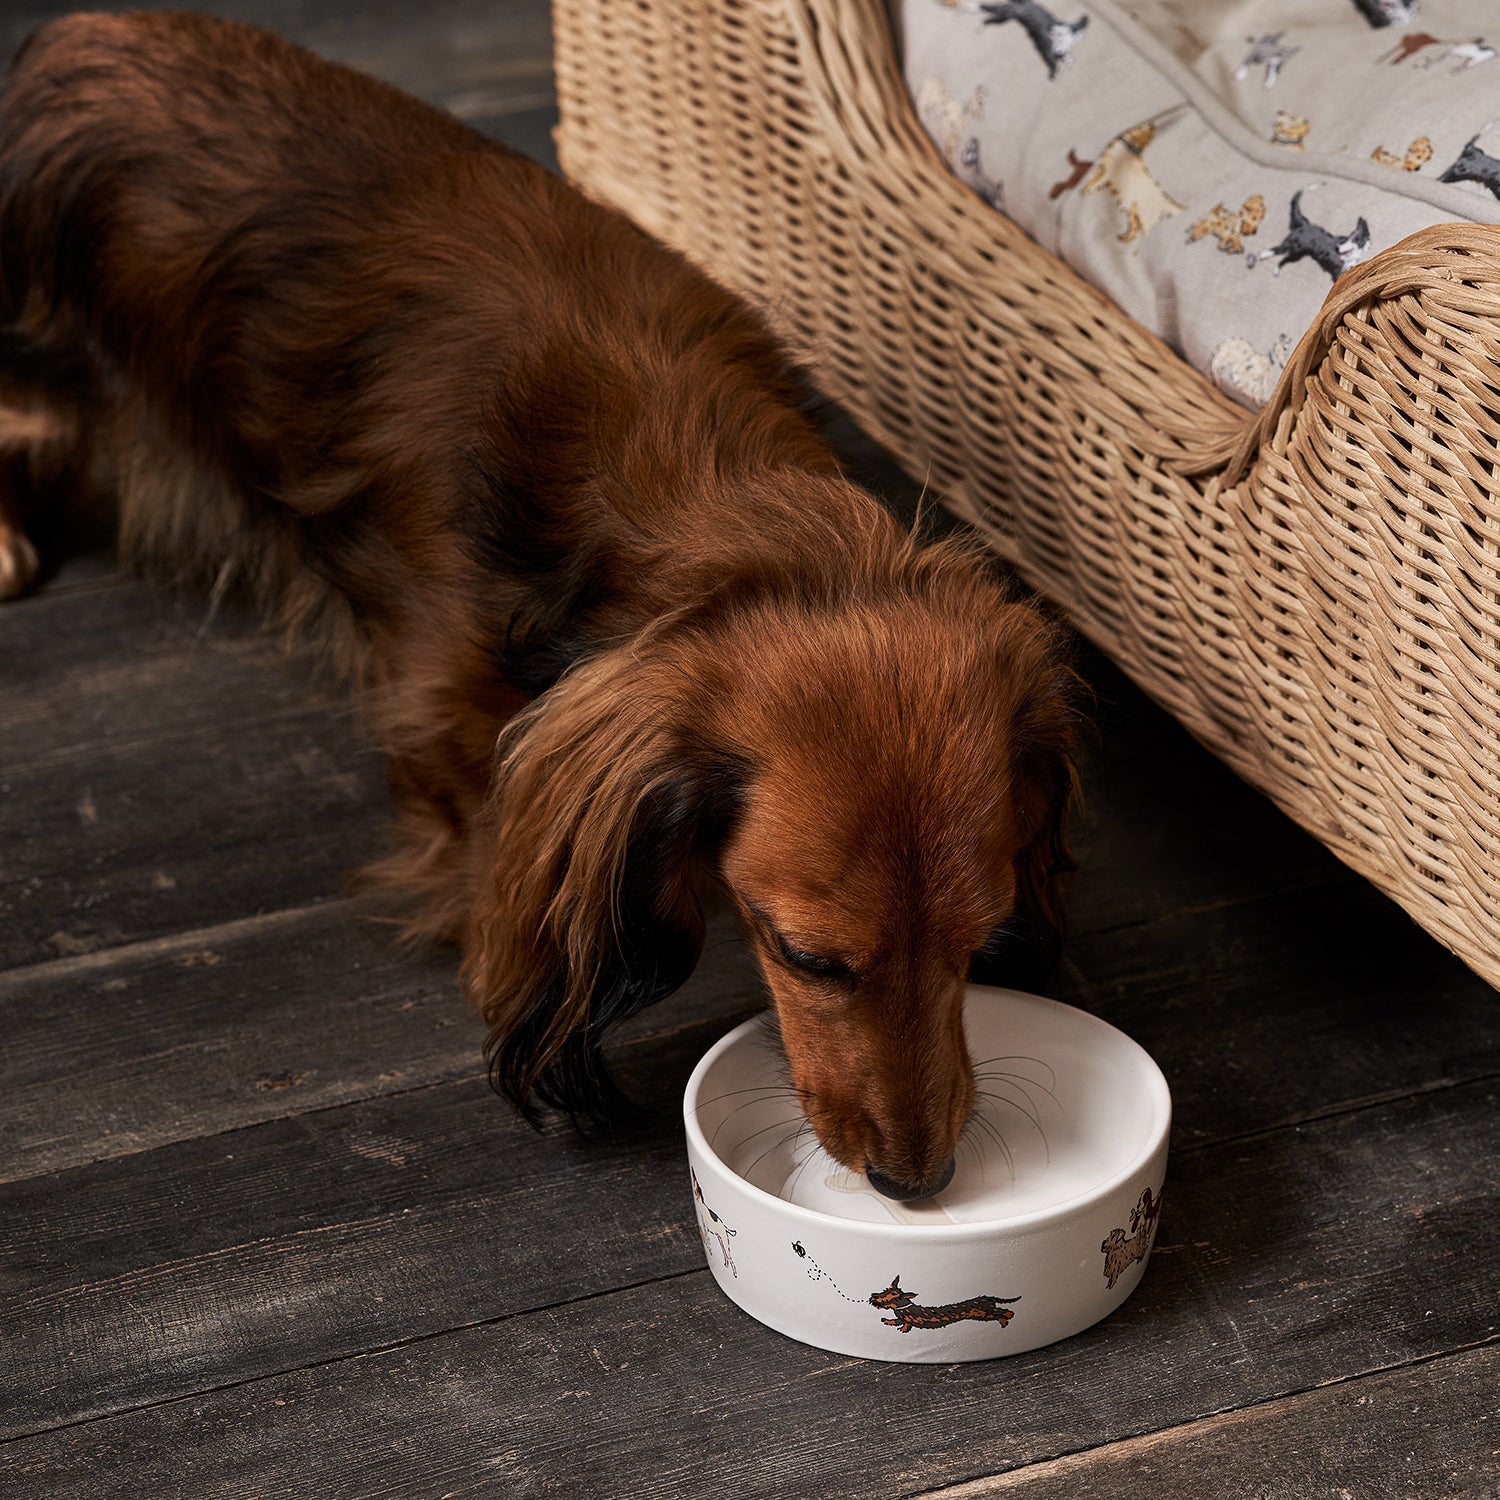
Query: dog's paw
point(18, 561)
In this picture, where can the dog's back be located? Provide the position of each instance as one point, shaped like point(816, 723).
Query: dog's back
point(311, 294)
point(218, 215)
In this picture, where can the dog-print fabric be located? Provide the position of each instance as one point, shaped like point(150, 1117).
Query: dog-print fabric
point(1215, 167)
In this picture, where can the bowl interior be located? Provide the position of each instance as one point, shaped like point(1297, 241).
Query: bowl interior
point(1066, 1103)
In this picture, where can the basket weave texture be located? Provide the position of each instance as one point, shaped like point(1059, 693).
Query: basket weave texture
point(1314, 591)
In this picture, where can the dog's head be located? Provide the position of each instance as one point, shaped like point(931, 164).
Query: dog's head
point(893, 1296)
point(880, 785)
point(913, 768)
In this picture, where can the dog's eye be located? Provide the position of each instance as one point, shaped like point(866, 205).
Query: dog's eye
point(793, 957)
point(812, 963)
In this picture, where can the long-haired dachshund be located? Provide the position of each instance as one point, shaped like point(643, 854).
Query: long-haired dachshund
point(628, 635)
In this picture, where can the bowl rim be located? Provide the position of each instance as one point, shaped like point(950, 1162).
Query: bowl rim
point(1159, 1094)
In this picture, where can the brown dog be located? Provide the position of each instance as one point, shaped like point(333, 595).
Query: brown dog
point(628, 633)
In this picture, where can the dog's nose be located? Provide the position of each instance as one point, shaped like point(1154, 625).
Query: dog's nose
point(905, 1192)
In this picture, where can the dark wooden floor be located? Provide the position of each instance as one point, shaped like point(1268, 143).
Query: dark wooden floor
point(264, 1231)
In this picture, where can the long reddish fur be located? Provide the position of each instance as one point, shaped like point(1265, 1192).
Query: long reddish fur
point(550, 495)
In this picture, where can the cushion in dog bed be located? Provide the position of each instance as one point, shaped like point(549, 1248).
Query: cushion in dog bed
point(1214, 167)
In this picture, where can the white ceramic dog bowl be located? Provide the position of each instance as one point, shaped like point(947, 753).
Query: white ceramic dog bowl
point(1044, 1229)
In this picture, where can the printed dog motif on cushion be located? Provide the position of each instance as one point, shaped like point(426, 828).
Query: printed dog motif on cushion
point(1266, 51)
point(1230, 225)
point(1474, 165)
point(946, 119)
point(1239, 367)
point(1122, 172)
point(910, 1314)
point(1418, 154)
point(1380, 13)
point(1054, 40)
point(1465, 54)
point(1308, 241)
point(1290, 130)
point(1121, 1252)
point(1078, 169)
point(971, 171)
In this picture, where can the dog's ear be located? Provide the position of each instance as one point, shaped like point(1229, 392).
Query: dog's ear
point(1046, 740)
point(607, 810)
point(1050, 784)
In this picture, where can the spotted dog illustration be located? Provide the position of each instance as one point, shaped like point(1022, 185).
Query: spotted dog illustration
point(1418, 154)
point(1386, 12)
point(1231, 225)
point(1466, 54)
point(712, 1227)
point(1290, 130)
point(1122, 172)
point(1240, 368)
point(1121, 1253)
point(1474, 165)
point(1308, 241)
point(1054, 40)
point(910, 1314)
point(1265, 51)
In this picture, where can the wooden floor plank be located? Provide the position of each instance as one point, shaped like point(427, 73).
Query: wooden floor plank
point(94, 691)
point(1267, 1011)
point(127, 666)
point(1312, 1255)
point(317, 1171)
point(220, 1028)
point(1424, 1430)
point(160, 836)
point(216, 1029)
point(324, 1234)
point(1165, 828)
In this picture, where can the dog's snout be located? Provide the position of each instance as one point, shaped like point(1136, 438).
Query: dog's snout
point(907, 1191)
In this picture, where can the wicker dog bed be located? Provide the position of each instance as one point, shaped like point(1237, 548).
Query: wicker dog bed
point(1314, 591)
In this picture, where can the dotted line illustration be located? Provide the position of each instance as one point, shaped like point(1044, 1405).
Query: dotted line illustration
point(815, 1272)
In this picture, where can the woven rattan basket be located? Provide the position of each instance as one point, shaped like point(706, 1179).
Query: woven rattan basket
point(1315, 592)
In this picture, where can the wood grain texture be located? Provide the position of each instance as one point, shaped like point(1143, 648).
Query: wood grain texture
point(1431, 1429)
point(213, 1029)
point(327, 1233)
point(1298, 1258)
point(135, 668)
point(96, 702)
point(166, 834)
point(1266, 1012)
point(1190, 833)
point(220, 1028)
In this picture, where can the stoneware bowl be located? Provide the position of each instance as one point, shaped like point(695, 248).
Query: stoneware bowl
point(1044, 1229)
